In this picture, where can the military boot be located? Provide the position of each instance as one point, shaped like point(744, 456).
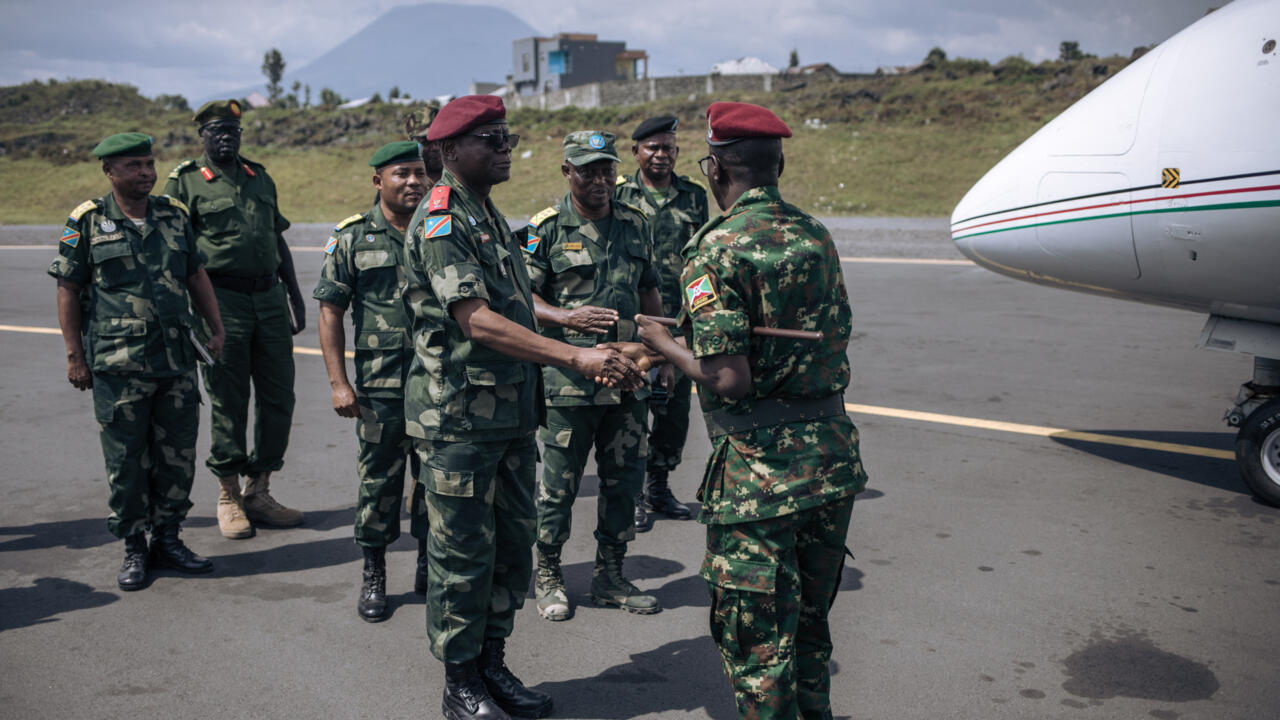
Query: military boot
point(167, 550)
point(608, 587)
point(232, 521)
point(553, 601)
point(643, 522)
point(658, 497)
point(133, 573)
point(465, 695)
point(262, 508)
point(505, 688)
point(420, 575)
point(373, 590)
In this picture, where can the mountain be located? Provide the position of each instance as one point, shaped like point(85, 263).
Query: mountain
point(425, 50)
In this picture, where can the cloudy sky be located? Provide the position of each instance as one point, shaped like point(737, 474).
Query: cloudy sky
point(200, 48)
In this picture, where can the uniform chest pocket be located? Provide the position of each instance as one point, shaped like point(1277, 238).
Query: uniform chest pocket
point(376, 258)
point(219, 216)
point(114, 263)
point(575, 272)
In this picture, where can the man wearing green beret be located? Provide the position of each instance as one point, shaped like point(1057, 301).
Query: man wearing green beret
point(238, 226)
point(128, 269)
point(590, 261)
point(363, 269)
point(676, 207)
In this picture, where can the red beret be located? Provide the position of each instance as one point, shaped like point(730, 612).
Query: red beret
point(464, 113)
point(729, 122)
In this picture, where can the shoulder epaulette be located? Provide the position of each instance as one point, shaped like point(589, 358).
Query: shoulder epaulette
point(83, 208)
point(543, 216)
point(439, 198)
point(622, 180)
point(631, 207)
point(348, 221)
point(181, 167)
point(174, 202)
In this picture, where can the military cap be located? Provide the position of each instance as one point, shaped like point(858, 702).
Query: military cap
point(464, 113)
point(588, 146)
point(417, 130)
point(402, 151)
point(215, 110)
point(655, 125)
point(130, 144)
point(729, 122)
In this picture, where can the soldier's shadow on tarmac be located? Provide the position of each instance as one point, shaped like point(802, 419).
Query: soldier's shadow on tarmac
point(48, 596)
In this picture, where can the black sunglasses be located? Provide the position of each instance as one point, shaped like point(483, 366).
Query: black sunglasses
point(498, 141)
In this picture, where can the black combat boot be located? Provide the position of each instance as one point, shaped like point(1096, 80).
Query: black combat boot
point(133, 573)
point(420, 575)
point(658, 497)
point(373, 591)
point(505, 688)
point(643, 522)
point(465, 696)
point(168, 551)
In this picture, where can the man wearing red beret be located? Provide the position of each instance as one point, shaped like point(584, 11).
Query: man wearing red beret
point(778, 489)
point(472, 403)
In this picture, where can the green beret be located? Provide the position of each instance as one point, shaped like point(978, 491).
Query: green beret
point(217, 110)
point(130, 144)
point(588, 146)
point(395, 152)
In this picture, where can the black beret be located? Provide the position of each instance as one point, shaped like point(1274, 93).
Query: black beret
point(655, 125)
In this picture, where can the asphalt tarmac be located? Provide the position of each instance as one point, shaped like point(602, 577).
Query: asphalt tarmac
point(1053, 529)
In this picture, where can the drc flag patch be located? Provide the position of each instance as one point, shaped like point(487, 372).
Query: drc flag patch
point(437, 226)
point(70, 237)
point(531, 243)
point(330, 246)
point(699, 293)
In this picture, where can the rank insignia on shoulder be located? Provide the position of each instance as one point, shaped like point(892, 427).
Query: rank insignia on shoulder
point(699, 293)
point(248, 170)
point(207, 174)
point(439, 199)
point(70, 237)
point(348, 221)
point(437, 226)
point(81, 209)
point(622, 180)
point(330, 246)
point(174, 202)
point(531, 243)
point(173, 174)
point(541, 217)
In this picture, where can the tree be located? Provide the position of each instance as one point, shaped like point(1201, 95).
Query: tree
point(795, 59)
point(1069, 51)
point(394, 92)
point(273, 68)
point(936, 57)
point(307, 89)
point(377, 98)
point(330, 98)
point(173, 102)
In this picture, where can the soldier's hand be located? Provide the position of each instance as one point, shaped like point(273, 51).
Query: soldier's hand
point(643, 357)
point(591, 319)
point(216, 343)
point(78, 373)
point(298, 318)
point(609, 367)
point(344, 401)
point(667, 376)
point(654, 335)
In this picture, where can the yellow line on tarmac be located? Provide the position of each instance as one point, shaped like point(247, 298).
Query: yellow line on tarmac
point(297, 349)
point(904, 261)
point(1039, 430)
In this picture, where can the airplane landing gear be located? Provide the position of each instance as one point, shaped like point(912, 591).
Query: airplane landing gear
point(1257, 413)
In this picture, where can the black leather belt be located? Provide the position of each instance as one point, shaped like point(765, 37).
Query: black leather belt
point(239, 284)
point(773, 411)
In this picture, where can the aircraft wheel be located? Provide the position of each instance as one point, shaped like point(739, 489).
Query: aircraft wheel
point(1258, 452)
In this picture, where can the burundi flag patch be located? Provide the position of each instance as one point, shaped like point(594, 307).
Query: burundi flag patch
point(330, 246)
point(531, 243)
point(437, 226)
point(699, 293)
point(70, 237)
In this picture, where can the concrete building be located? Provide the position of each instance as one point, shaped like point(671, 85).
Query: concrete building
point(541, 65)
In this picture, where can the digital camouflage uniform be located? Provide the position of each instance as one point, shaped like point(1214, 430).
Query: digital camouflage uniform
point(236, 221)
point(471, 411)
point(362, 269)
point(570, 265)
point(135, 324)
point(776, 499)
point(673, 220)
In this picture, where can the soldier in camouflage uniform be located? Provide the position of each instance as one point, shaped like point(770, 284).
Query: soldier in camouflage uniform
point(238, 227)
point(472, 401)
point(127, 268)
point(676, 207)
point(590, 259)
point(784, 465)
point(362, 268)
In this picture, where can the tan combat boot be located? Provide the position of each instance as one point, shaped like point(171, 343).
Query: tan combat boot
point(231, 518)
point(262, 508)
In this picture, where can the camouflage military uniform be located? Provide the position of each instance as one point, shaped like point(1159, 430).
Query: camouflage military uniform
point(236, 221)
point(136, 325)
point(777, 499)
point(362, 268)
point(673, 221)
point(471, 411)
point(570, 265)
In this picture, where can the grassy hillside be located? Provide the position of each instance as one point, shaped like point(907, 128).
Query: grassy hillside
point(901, 145)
